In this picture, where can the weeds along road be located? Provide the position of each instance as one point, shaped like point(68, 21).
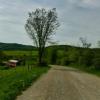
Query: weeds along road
point(62, 83)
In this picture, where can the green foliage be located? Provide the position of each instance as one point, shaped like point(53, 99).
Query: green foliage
point(96, 63)
point(96, 60)
point(73, 55)
point(86, 58)
point(13, 81)
point(70, 55)
point(40, 26)
point(53, 57)
point(2, 56)
point(65, 61)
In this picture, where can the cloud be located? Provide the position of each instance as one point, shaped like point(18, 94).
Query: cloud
point(85, 3)
point(91, 2)
point(77, 18)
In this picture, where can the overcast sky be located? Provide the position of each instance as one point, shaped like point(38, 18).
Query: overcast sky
point(78, 18)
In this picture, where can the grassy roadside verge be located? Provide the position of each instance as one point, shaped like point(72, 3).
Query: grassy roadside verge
point(90, 70)
point(14, 81)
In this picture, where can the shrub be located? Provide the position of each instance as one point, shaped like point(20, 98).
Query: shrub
point(96, 63)
point(43, 63)
point(86, 58)
point(65, 61)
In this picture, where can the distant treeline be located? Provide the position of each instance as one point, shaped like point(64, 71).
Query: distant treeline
point(15, 46)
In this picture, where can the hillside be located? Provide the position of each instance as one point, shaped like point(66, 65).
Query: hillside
point(67, 47)
point(62, 47)
point(15, 46)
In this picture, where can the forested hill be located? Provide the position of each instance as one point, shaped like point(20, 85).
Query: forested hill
point(15, 46)
point(67, 47)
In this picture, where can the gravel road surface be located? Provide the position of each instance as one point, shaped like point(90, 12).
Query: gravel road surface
point(63, 83)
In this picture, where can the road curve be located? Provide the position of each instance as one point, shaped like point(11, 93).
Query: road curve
point(62, 83)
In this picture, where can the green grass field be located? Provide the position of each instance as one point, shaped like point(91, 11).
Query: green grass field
point(14, 80)
point(21, 53)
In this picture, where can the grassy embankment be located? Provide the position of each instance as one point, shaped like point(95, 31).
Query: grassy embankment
point(90, 69)
point(14, 81)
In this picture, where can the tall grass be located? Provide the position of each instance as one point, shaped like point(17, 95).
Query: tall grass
point(13, 81)
point(89, 69)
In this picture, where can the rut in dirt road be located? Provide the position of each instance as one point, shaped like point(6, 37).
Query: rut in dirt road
point(62, 83)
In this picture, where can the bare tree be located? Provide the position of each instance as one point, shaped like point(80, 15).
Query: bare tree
point(40, 25)
point(84, 42)
point(98, 44)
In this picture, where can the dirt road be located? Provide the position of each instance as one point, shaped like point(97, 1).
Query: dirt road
point(62, 83)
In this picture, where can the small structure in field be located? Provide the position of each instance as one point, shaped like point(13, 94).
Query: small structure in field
point(12, 63)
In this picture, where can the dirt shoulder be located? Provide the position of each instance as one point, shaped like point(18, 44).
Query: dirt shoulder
point(62, 83)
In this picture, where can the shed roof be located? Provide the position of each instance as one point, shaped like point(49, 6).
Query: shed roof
point(14, 61)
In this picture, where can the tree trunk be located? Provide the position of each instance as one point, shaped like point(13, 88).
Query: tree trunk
point(40, 54)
